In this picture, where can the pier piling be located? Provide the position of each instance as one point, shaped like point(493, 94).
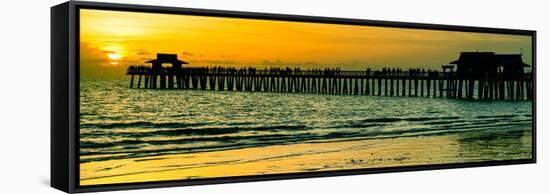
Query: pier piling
point(394, 82)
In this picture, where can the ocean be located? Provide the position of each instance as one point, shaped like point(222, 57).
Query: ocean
point(117, 122)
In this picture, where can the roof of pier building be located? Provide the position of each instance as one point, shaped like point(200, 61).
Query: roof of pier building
point(167, 58)
point(489, 60)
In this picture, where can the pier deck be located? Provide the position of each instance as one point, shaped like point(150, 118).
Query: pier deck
point(387, 82)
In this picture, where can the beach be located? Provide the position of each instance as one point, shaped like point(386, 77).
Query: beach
point(309, 157)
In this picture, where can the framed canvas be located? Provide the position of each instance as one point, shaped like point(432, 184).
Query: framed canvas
point(148, 96)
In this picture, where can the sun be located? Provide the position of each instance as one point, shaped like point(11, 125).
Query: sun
point(113, 56)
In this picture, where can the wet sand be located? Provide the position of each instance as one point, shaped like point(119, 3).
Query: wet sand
point(313, 156)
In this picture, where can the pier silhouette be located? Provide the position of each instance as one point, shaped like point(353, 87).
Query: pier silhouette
point(478, 76)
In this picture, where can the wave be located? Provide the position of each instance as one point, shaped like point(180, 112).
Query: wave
point(139, 124)
point(398, 119)
point(220, 130)
point(495, 116)
point(240, 141)
point(187, 135)
point(178, 132)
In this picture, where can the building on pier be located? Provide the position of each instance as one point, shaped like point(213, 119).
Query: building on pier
point(489, 64)
point(166, 58)
point(511, 65)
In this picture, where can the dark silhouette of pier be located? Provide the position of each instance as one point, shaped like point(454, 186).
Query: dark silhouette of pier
point(495, 83)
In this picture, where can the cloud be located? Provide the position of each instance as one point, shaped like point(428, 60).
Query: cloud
point(90, 55)
point(187, 53)
point(143, 52)
point(95, 63)
point(222, 56)
point(214, 62)
point(270, 63)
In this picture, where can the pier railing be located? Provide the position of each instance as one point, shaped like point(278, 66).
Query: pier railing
point(385, 82)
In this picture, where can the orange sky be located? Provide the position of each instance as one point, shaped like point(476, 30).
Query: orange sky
point(112, 40)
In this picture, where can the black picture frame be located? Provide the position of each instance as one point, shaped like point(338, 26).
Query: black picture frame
point(65, 92)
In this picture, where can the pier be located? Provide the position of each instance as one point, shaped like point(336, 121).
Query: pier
point(385, 82)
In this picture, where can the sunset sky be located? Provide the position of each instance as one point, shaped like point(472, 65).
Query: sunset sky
point(112, 40)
